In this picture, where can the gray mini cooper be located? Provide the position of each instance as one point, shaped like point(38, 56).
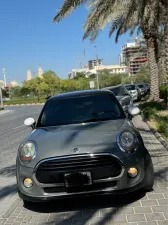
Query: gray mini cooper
point(82, 144)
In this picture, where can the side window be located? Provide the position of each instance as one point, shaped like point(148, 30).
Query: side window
point(125, 91)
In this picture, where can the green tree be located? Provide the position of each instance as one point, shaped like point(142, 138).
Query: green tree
point(5, 93)
point(15, 91)
point(126, 79)
point(52, 81)
point(107, 79)
point(92, 76)
point(80, 75)
point(24, 91)
point(143, 76)
point(37, 86)
point(124, 15)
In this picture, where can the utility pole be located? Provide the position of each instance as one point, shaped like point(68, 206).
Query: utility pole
point(98, 86)
point(2, 106)
point(97, 74)
point(4, 73)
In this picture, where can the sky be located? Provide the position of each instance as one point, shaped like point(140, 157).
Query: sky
point(29, 39)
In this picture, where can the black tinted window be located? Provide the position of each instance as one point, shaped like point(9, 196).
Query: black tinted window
point(80, 109)
point(130, 87)
point(140, 86)
point(118, 91)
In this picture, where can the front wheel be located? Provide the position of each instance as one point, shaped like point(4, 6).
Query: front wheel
point(149, 174)
point(26, 203)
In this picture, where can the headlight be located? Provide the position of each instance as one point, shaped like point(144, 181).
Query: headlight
point(28, 152)
point(127, 141)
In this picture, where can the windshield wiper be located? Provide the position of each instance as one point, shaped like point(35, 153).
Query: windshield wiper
point(104, 112)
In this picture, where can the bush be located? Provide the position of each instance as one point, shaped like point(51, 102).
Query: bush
point(24, 101)
point(163, 93)
point(149, 113)
point(150, 109)
point(152, 105)
point(162, 125)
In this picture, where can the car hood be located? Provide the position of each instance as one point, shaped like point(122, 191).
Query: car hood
point(119, 97)
point(96, 137)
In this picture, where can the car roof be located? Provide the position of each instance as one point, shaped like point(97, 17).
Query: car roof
point(79, 94)
point(120, 85)
point(129, 84)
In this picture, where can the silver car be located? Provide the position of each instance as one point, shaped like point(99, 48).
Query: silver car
point(82, 144)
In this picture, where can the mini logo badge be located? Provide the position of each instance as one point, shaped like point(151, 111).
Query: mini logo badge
point(76, 150)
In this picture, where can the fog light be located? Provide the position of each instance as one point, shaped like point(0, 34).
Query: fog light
point(28, 183)
point(132, 172)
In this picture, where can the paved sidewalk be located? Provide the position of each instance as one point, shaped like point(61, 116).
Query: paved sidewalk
point(135, 209)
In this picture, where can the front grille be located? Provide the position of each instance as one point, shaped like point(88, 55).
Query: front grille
point(100, 166)
point(94, 187)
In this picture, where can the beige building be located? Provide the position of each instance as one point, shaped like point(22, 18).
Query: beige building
point(113, 69)
point(14, 84)
point(29, 75)
point(40, 72)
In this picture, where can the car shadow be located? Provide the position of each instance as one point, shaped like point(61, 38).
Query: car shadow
point(8, 171)
point(8, 190)
point(91, 202)
point(83, 210)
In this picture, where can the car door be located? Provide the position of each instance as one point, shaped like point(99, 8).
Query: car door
point(126, 100)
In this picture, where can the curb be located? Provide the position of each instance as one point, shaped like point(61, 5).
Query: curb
point(24, 104)
point(157, 135)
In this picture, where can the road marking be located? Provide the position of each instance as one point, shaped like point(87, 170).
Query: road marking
point(18, 127)
point(5, 112)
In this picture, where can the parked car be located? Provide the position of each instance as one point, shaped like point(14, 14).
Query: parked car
point(48, 97)
point(142, 89)
point(122, 95)
point(147, 86)
point(134, 91)
point(82, 144)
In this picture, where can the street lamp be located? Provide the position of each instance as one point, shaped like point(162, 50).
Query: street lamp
point(4, 73)
point(1, 98)
point(97, 77)
point(97, 74)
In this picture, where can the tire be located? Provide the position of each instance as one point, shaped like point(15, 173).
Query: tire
point(26, 203)
point(149, 175)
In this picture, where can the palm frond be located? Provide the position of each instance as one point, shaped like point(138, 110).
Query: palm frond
point(68, 7)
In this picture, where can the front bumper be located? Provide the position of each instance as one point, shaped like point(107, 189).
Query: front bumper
point(134, 96)
point(120, 184)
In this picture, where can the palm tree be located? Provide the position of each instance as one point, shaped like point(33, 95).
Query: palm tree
point(123, 15)
point(161, 55)
point(165, 3)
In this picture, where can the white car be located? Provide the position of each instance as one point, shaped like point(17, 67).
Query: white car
point(131, 88)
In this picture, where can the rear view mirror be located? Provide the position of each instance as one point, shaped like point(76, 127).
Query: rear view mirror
point(134, 111)
point(30, 122)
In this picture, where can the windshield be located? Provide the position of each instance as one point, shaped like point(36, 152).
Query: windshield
point(79, 110)
point(140, 86)
point(130, 87)
point(118, 91)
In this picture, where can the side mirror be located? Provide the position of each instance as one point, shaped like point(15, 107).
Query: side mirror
point(134, 111)
point(30, 122)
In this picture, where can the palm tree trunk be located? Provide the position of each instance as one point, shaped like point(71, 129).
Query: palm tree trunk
point(154, 75)
point(166, 47)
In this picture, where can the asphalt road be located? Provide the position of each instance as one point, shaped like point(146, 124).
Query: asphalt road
point(12, 132)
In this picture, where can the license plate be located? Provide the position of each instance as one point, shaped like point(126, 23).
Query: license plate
point(78, 179)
